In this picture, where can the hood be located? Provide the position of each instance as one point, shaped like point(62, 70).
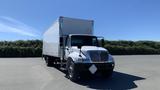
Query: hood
point(90, 48)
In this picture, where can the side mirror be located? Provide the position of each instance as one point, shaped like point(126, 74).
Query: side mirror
point(61, 41)
point(61, 44)
point(79, 47)
point(103, 43)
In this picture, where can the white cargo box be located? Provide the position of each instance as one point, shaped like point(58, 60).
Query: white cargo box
point(64, 26)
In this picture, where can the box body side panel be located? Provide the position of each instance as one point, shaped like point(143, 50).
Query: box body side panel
point(51, 40)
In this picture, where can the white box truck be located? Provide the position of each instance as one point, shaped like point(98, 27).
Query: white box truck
point(70, 43)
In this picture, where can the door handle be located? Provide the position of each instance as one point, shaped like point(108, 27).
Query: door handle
point(67, 48)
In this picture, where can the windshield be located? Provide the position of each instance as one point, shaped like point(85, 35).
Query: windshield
point(84, 40)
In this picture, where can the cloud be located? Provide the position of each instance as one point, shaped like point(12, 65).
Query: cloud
point(10, 25)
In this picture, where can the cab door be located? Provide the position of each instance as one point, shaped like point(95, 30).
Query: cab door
point(67, 47)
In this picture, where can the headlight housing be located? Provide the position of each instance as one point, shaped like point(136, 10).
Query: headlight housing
point(110, 58)
point(80, 59)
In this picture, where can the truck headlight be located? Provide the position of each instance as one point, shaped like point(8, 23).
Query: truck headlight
point(80, 59)
point(110, 58)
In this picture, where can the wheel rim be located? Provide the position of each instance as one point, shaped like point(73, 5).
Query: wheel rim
point(70, 71)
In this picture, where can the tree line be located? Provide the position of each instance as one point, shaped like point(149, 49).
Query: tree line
point(33, 48)
point(20, 48)
point(133, 47)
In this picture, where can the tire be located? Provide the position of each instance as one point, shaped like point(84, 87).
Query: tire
point(71, 73)
point(48, 61)
point(107, 74)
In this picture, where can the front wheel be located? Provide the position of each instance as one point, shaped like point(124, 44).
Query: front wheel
point(71, 73)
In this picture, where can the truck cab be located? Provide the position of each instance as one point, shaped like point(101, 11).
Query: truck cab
point(85, 53)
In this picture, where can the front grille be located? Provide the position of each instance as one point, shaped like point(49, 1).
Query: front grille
point(104, 56)
point(98, 56)
point(94, 55)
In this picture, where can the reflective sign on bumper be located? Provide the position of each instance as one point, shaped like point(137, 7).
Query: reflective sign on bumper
point(93, 69)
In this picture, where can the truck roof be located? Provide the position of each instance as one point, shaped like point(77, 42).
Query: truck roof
point(80, 35)
point(76, 18)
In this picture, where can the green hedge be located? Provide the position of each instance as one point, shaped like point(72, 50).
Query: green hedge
point(33, 48)
point(30, 48)
point(20, 52)
point(133, 48)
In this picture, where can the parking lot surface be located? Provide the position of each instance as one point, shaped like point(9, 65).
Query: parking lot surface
point(140, 72)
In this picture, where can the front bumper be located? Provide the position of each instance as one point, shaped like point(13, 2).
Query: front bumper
point(101, 67)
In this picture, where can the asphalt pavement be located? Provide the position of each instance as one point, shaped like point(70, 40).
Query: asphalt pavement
point(140, 72)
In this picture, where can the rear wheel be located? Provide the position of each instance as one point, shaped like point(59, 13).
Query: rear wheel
point(48, 61)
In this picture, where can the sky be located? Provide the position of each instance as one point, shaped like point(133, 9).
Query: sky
point(113, 19)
